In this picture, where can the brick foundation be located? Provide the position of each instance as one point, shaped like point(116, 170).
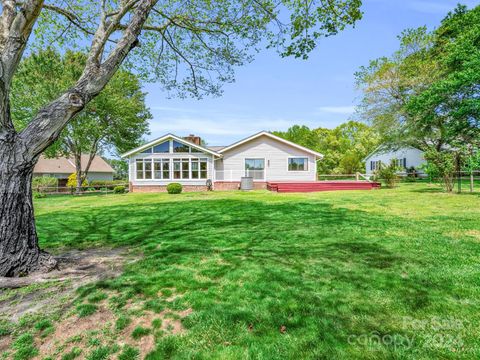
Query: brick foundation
point(218, 185)
point(163, 188)
point(235, 185)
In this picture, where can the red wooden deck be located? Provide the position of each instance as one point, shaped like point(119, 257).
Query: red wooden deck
point(312, 186)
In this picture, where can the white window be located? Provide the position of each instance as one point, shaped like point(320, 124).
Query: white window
point(298, 164)
point(161, 169)
point(190, 168)
point(255, 168)
point(144, 169)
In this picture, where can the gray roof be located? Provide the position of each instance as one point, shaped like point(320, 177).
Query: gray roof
point(215, 148)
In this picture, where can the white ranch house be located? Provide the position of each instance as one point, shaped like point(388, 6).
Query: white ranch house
point(263, 156)
point(404, 157)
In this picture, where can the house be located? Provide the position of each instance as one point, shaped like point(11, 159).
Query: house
point(405, 158)
point(262, 156)
point(62, 168)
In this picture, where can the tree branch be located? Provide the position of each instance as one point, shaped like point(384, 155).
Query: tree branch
point(49, 121)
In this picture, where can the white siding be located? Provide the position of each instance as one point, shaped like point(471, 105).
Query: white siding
point(276, 156)
point(414, 158)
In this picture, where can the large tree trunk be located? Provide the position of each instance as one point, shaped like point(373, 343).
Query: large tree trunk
point(78, 172)
point(19, 250)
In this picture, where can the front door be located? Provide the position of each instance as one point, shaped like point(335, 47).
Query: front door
point(255, 168)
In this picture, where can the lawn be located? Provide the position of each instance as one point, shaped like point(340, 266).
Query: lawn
point(359, 274)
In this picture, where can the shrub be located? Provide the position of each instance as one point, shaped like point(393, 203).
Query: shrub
point(174, 188)
point(119, 189)
point(44, 181)
point(441, 164)
point(72, 181)
point(38, 195)
point(388, 174)
point(106, 182)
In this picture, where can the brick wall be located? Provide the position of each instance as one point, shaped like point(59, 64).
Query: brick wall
point(218, 185)
point(235, 185)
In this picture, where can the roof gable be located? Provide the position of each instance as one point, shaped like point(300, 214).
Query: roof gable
point(63, 165)
point(274, 137)
point(168, 137)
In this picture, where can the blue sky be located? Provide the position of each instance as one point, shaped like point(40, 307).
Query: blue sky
point(272, 93)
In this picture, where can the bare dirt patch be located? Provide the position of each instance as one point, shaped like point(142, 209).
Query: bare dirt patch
point(46, 291)
point(102, 323)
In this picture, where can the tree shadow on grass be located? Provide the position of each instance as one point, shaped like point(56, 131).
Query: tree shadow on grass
point(310, 266)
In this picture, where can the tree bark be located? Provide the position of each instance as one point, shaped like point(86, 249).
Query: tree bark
point(19, 250)
point(471, 182)
point(78, 172)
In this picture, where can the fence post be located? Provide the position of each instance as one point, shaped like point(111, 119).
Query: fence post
point(357, 177)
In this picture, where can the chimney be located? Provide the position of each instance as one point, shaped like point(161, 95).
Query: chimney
point(194, 139)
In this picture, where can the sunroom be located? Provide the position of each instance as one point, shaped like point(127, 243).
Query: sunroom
point(171, 159)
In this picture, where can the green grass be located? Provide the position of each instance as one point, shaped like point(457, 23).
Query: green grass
point(360, 274)
point(140, 332)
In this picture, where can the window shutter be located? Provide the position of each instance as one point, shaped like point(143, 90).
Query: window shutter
point(371, 164)
point(405, 163)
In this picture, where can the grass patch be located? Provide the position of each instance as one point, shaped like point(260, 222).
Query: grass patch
point(72, 354)
point(129, 353)
point(97, 297)
point(24, 347)
point(140, 332)
point(332, 268)
point(100, 353)
point(84, 310)
point(122, 322)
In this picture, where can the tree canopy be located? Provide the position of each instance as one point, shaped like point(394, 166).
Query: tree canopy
point(426, 94)
point(343, 147)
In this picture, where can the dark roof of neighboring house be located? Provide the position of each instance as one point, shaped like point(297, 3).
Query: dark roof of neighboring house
point(63, 165)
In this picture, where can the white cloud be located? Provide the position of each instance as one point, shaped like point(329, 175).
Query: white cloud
point(346, 110)
point(224, 127)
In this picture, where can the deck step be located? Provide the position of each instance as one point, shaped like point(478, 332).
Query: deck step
point(320, 186)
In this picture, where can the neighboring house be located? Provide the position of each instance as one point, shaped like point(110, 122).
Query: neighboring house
point(263, 156)
point(405, 158)
point(63, 167)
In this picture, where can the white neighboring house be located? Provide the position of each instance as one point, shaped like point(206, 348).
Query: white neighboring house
point(263, 156)
point(404, 157)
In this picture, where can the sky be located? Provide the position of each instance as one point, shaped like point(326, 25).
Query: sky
point(274, 93)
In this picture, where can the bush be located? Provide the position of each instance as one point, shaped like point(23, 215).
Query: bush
point(119, 189)
point(174, 188)
point(441, 164)
point(44, 181)
point(72, 181)
point(106, 182)
point(388, 174)
point(38, 195)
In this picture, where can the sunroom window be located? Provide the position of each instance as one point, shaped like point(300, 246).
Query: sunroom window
point(162, 148)
point(144, 169)
point(180, 148)
point(161, 168)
